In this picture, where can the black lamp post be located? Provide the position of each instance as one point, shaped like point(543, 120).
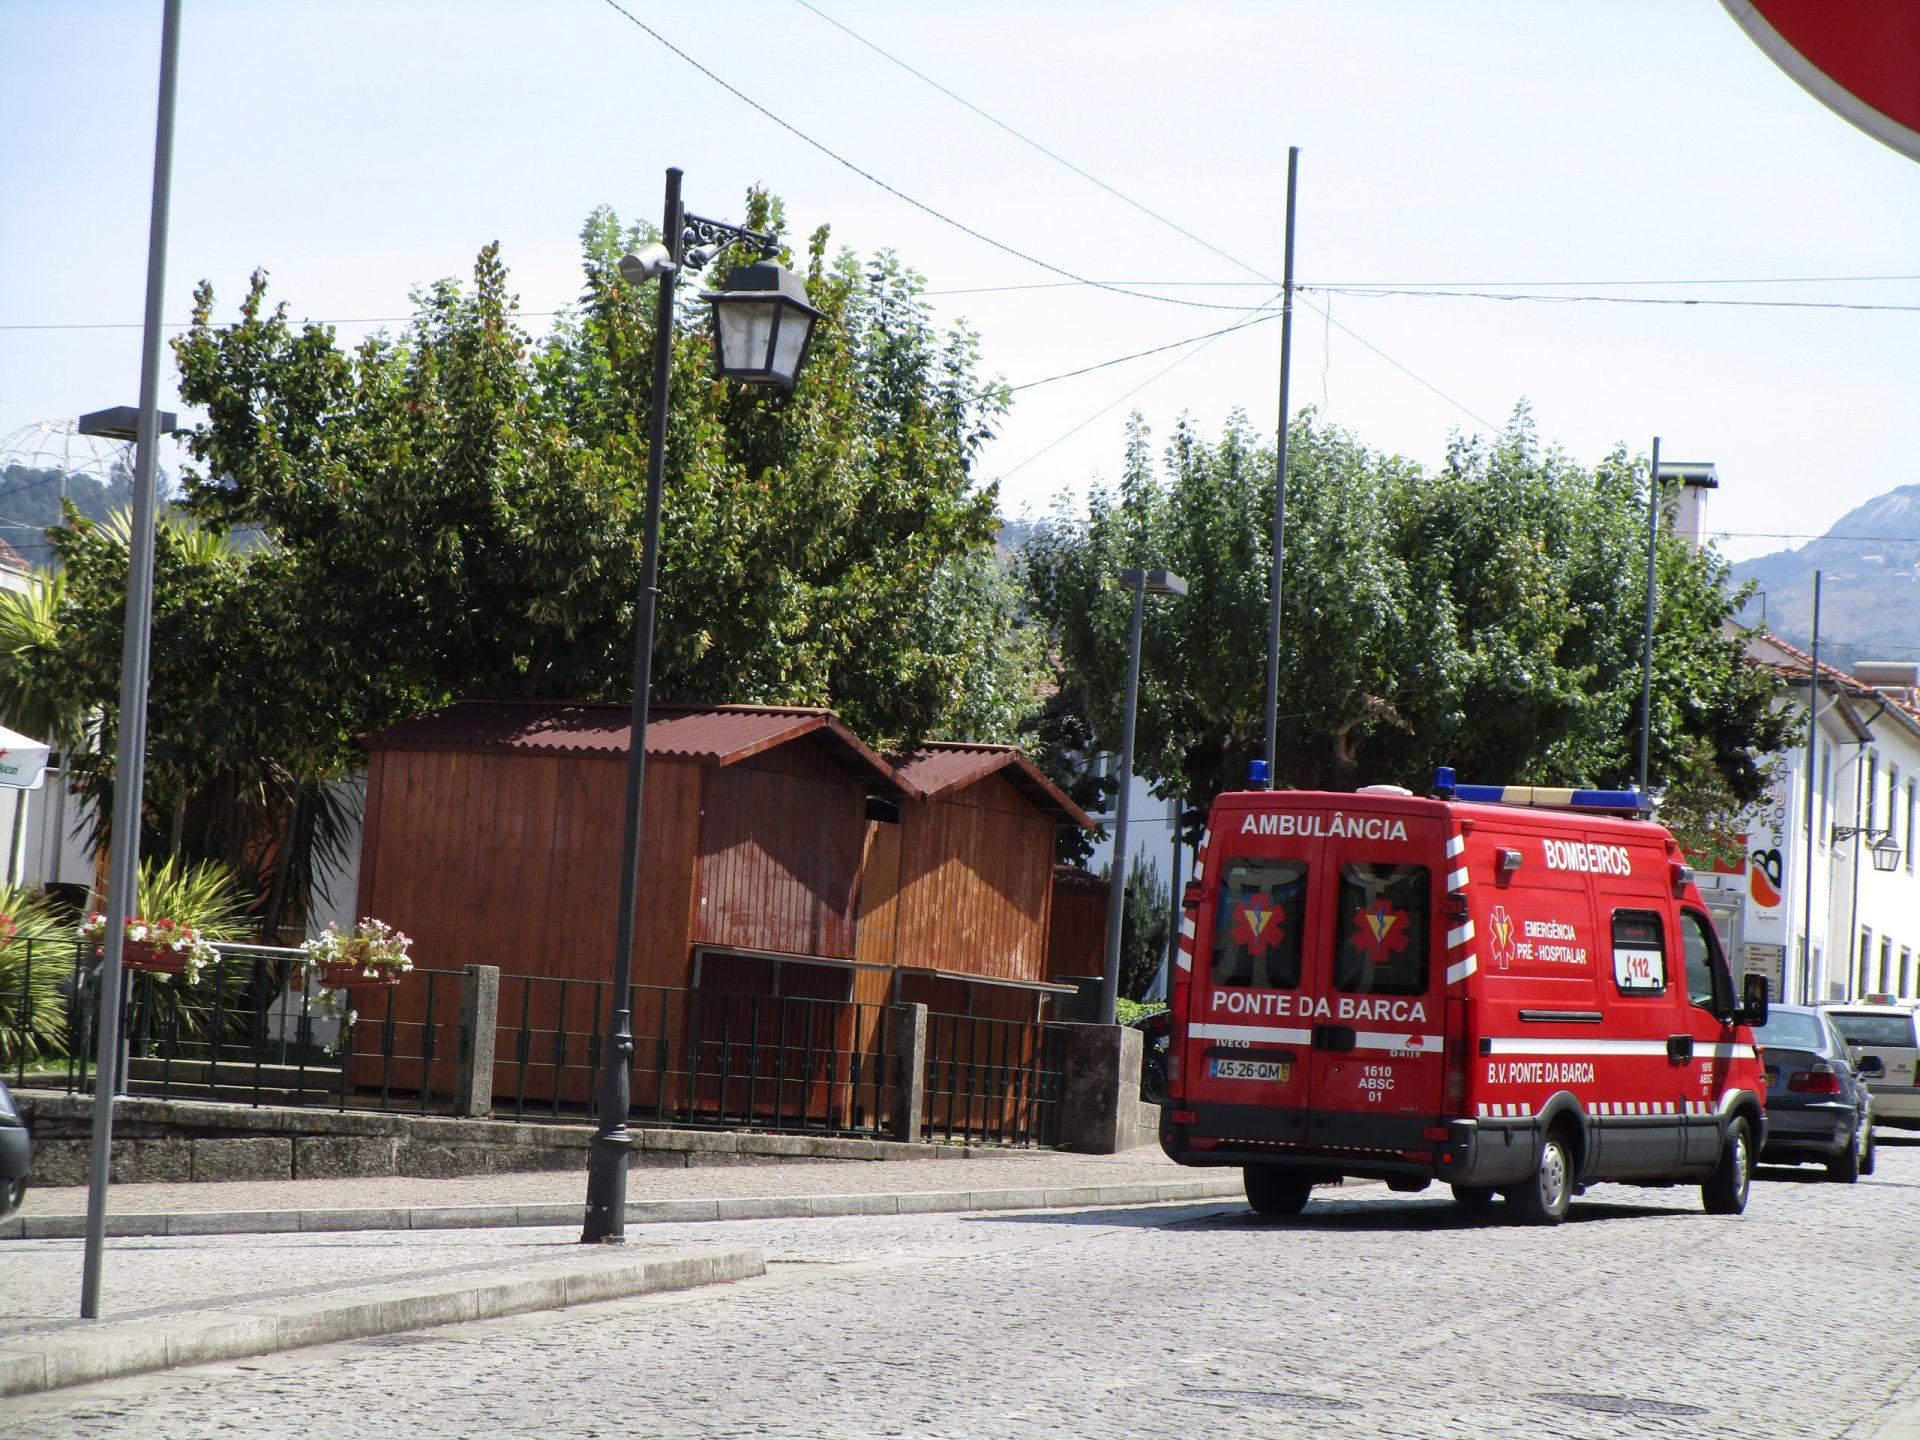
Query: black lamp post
point(762, 325)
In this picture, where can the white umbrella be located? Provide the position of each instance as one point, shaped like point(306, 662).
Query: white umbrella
point(23, 762)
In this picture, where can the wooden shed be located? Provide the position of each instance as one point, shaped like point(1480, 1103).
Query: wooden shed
point(957, 897)
point(493, 834)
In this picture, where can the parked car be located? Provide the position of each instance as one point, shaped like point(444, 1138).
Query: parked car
point(1885, 1034)
point(1818, 1107)
point(16, 1153)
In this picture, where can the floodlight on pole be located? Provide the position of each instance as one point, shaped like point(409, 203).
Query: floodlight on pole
point(1143, 583)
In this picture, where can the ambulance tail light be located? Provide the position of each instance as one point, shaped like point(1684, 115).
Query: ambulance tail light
point(1455, 1102)
point(1433, 1132)
point(1821, 1080)
point(1184, 1117)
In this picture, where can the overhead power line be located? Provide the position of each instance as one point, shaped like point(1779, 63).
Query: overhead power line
point(894, 190)
point(1029, 141)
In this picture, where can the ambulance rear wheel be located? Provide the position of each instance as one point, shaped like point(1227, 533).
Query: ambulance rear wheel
point(1474, 1198)
point(1725, 1192)
point(1272, 1190)
point(1543, 1200)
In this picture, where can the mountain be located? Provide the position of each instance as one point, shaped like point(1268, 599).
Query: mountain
point(1869, 565)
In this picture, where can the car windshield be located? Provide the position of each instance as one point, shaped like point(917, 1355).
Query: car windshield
point(1876, 1029)
point(1792, 1028)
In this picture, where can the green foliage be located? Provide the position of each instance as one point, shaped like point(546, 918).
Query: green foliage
point(1146, 920)
point(1487, 615)
point(458, 510)
point(1125, 1011)
point(36, 961)
point(205, 897)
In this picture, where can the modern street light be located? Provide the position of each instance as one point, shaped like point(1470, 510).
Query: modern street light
point(129, 774)
point(1142, 583)
point(762, 325)
point(1881, 846)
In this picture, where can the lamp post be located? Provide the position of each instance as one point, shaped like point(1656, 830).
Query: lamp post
point(1142, 583)
point(130, 760)
point(762, 326)
point(1881, 846)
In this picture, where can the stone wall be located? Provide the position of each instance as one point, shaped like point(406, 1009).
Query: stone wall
point(182, 1140)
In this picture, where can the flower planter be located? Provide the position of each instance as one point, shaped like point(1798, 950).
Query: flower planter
point(348, 976)
point(154, 959)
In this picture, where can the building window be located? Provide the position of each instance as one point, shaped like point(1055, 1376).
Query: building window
point(1906, 971)
point(1873, 786)
point(1866, 961)
point(1910, 799)
point(1886, 965)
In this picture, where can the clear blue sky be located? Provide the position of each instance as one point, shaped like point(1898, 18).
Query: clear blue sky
point(357, 150)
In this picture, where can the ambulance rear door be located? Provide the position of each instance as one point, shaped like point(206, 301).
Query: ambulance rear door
point(1375, 984)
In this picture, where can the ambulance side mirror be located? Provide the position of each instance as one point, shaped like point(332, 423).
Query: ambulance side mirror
point(1753, 1001)
point(1190, 897)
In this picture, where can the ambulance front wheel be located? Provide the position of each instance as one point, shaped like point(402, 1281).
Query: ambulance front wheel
point(1725, 1191)
point(1543, 1200)
point(1273, 1190)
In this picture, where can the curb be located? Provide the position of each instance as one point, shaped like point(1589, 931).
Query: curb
point(639, 1212)
point(104, 1350)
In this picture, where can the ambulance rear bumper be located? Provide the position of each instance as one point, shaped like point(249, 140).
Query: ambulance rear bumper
point(1476, 1152)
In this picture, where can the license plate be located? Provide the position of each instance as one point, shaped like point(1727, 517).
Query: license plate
point(1250, 1070)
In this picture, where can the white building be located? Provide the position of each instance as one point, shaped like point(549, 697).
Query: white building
point(1840, 926)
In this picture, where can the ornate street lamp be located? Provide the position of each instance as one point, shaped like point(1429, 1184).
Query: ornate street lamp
point(762, 326)
point(1881, 846)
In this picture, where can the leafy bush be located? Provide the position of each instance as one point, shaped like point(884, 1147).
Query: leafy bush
point(36, 962)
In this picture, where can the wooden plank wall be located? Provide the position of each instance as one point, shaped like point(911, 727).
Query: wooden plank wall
point(976, 882)
point(511, 859)
point(1077, 931)
point(781, 840)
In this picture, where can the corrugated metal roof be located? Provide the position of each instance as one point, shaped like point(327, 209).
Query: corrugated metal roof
point(711, 734)
point(942, 767)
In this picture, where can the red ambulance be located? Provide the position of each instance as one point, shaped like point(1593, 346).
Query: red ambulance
point(1513, 990)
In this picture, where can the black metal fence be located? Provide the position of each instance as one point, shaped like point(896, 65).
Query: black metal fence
point(251, 1032)
point(992, 1080)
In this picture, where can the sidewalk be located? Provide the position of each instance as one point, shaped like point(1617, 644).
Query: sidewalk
point(236, 1262)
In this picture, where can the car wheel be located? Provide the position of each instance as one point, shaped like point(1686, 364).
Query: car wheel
point(12, 1192)
point(1725, 1190)
point(1272, 1190)
point(1845, 1167)
point(1474, 1197)
point(1866, 1147)
point(1543, 1200)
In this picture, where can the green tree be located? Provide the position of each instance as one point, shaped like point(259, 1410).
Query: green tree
point(1486, 616)
point(1146, 918)
point(455, 510)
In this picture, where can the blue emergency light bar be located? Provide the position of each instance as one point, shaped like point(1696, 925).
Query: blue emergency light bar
point(1541, 797)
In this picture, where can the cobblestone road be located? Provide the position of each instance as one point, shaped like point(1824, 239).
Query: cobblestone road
point(1374, 1315)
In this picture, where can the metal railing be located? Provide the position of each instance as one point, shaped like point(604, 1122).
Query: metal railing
point(250, 1031)
point(992, 1080)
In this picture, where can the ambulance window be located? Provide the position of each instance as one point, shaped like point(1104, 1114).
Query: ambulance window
point(1383, 930)
point(1639, 953)
point(1257, 923)
point(1707, 983)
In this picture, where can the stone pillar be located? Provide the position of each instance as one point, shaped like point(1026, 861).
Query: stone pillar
point(479, 1024)
point(1101, 1112)
point(910, 1070)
